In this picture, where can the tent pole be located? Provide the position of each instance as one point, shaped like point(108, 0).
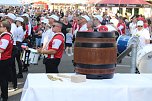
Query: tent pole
point(133, 11)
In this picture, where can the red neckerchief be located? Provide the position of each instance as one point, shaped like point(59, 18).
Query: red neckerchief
point(74, 26)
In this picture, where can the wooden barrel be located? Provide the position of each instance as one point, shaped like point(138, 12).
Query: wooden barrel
point(95, 54)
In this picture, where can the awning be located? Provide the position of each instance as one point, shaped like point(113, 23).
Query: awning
point(40, 3)
point(122, 3)
point(69, 1)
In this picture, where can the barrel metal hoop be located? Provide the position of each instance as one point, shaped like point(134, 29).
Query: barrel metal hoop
point(95, 35)
point(94, 66)
point(95, 45)
point(94, 71)
point(95, 40)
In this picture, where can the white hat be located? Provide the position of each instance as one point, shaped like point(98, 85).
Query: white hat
point(26, 15)
point(46, 21)
point(42, 18)
point(86, 17)
point(113, 15)
point(2, 14)
point(19, 19)
point(54, 17)
point(140, 23)
point(98, 17)
point(11, 15)
point(126, 20)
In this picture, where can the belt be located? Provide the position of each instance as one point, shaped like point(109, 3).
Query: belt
point(53, 58)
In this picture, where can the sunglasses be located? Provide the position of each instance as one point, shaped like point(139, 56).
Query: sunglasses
point(95, 19)
point(139, 26)
point(56, 26)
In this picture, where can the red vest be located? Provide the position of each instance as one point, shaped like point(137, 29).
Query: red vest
point(60, 51)
point(26, 35)
point(8, 51)
point(122, 31)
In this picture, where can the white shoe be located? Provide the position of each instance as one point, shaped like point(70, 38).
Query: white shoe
point(69, 54)
point(12, 89)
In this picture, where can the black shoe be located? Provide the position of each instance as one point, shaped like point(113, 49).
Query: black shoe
point(25, 70)
point(19, 75)
point(74, 64)
point(120, 61)
point(137, 72)
point(12, 89)
point(2, 99)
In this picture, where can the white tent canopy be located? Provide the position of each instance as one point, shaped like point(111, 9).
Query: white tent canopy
point(10, 2)
point(58, 1)
point(69, 1)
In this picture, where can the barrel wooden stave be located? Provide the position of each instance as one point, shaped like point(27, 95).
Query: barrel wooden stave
point(95, 54)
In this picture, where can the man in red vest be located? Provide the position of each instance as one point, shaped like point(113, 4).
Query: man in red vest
point(6, 46)
point(54, 49)
point(121, 26)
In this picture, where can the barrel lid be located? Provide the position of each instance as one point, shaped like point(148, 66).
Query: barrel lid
point(95, 34)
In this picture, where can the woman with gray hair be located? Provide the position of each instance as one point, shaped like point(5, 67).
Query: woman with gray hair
point(90, 26)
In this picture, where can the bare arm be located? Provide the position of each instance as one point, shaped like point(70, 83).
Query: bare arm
point(51, 51)
point(147, 41)
point(1, 51)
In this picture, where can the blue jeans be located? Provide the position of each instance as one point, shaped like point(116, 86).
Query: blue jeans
point(38, 42)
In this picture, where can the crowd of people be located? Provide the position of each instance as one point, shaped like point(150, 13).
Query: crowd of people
point(53, 32)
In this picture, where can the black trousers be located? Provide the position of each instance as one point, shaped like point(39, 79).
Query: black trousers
point(4, 88)
point(51, 65)
point(4, 77)
point(17, 55)
point(13, 73)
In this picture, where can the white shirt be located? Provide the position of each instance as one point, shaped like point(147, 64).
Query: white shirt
point(20, 34)
point(143, 35)
point(114, 21)
point(43, 34)
point(110, 27)
point(83, 27)
point(4, 42)
point(70, 17)
point(14, 32)
point(46, 37)
point(69, 37)
point(132, 27)
point(29, 28)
